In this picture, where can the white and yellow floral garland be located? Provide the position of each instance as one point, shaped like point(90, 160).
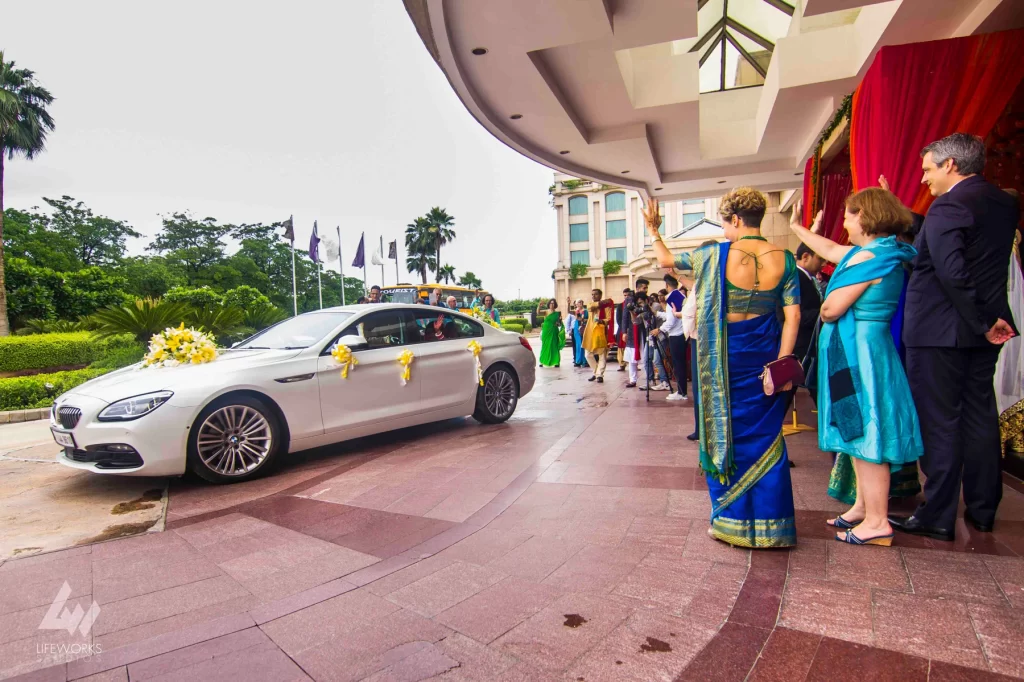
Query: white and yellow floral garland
point(406, 357)
point(479, 314)
point(475, 348)
point(181, 346)
point(343, 355)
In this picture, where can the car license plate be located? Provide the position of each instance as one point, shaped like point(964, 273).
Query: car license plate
point(63, 438)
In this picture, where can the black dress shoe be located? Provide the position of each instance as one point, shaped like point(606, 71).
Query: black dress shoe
point(693, 436)
point(978, 525)
point(914, 526)
point(593, 378)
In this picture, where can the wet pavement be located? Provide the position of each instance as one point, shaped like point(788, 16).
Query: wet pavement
point(567, 544)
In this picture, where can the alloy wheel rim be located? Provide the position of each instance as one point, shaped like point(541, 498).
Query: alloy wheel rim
point(500, 394)
point(234, 440)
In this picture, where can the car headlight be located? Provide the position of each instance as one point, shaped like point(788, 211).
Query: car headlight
point(133, 408)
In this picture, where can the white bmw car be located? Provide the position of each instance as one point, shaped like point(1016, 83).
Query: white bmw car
point(282, 391)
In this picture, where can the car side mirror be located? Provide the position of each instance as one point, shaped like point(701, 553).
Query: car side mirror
point(353, 341)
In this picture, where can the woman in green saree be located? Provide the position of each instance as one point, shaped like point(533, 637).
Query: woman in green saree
point(552, 336)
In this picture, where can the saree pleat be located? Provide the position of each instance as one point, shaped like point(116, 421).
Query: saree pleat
point(755, 508)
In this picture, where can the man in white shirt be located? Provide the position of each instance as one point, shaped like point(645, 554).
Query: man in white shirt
point(672, 329)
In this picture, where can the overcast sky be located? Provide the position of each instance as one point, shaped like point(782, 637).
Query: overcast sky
point(251, 111)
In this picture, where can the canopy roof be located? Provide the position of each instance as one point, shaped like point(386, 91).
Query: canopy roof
point(630, 92)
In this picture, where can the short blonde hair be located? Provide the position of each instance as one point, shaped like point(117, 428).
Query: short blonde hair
point(881, 213)
point(745, 202)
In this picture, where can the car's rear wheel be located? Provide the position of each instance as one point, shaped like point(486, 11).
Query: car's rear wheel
point(496, 400)
point(234, 439)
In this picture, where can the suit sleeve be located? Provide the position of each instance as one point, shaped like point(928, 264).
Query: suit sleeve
point(947, 234)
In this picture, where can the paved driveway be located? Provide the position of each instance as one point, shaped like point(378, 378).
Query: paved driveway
point(567, 544)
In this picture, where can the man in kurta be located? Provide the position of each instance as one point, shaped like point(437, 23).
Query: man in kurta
point(595, 336)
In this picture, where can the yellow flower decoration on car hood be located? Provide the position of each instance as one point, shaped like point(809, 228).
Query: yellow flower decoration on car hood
point(406, 357)
point(343, 354)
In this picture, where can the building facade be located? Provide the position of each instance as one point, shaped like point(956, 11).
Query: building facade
point(601, 231)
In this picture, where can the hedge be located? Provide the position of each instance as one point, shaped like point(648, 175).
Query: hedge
point(512, 327)
point(26, 393)
point(39, 351)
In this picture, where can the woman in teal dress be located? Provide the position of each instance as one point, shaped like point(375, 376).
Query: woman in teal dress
point(865, 410)
point(552, 336)
point(740, 287)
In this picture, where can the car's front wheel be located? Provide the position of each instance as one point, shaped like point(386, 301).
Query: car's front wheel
point(496, 400)
point(234, 439)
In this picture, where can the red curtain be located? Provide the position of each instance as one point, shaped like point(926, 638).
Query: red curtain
point(834, 188)
point(810, 183)
point(915, 94)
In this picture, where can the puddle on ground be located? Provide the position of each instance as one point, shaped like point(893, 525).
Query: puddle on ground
point(655, 645)
point(146, 501)
point(121, 530)
point(574, 620)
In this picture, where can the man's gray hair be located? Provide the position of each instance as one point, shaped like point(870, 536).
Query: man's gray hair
point(967, 152)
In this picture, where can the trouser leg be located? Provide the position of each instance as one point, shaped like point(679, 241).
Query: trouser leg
point(979, 426)
point(936, 377)
point(677, 349)
point(631, 365)
point(696, 386)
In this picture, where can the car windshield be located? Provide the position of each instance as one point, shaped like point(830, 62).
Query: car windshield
point(399, 295)
point(297, 332)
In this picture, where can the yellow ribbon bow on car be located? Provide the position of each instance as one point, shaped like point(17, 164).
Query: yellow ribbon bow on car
point(406, 358)
point(475, 348)
point(343, 354)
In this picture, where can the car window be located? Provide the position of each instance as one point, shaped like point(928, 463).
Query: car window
point(434, 325)
point(385, 329)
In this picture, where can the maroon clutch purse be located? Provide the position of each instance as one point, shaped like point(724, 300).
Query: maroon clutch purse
point(780, 373)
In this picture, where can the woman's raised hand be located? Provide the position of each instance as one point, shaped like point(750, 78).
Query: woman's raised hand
point(816, 225)
point(652, 216)
point(796, 217)
point(883, 183)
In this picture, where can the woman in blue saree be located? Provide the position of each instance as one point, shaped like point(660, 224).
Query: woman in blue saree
point(741, 286)
point(865, 410)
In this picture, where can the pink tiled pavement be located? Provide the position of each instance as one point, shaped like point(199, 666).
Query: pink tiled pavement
point(566, 544)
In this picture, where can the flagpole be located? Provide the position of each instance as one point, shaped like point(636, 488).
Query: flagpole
point(396, 262)
point(318, 288)
point(295, 297)
point(341, 267)
point(382, 261)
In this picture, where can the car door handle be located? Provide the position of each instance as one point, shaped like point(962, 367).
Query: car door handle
point(294, 378)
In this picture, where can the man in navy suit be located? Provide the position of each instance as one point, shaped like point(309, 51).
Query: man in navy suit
point(955, 321)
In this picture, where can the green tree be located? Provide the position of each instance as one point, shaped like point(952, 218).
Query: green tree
point(98, 240)
point(149, 276)
point(419, 248)
point(245, 297)
point(27, 236)
point(45, 294)
point(447, 273)
point(141, 319)
point(194, 245)
point(201, 298)
point(24, 125)
point(470, 281)
point(441, 230)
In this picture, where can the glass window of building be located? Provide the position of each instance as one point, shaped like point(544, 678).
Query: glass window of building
point(692, 202)
point(580, 257)
point(692, 218)
point(616, 201)
point(618, 254)
point(661, 211)
point(615, 229)
point(577, 206)
point(579, 232)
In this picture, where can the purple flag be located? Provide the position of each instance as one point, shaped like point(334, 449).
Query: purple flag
point(359, 261)
point(314, 245)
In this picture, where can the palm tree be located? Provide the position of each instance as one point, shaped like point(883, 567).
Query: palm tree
point(141, 319)
point(419, 248)
point(24, 124)
point(441, 231)
point(470, 281)
point(447, 273)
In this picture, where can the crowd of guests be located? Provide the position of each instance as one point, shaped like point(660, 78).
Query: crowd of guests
point(899, 347)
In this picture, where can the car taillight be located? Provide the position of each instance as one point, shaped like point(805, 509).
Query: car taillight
point(526, 344)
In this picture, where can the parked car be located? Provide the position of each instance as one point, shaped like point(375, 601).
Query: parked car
point(282, 391)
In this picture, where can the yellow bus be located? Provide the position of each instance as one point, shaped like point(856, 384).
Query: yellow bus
point(410, 293)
